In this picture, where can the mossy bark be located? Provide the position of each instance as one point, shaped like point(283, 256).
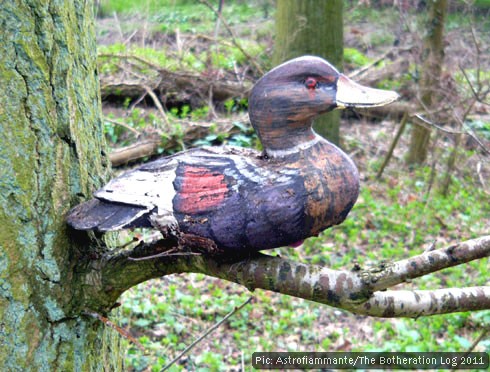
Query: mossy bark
point(313, 27)
point(51, 146)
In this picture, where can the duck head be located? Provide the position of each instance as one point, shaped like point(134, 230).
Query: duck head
point(284, 102)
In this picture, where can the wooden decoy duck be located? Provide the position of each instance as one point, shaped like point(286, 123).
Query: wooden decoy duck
point(239, 200)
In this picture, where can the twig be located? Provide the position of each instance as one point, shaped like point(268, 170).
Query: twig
point(216, 28)
point(150, 92)
point(473, 91)
point(119, 29)
point(479, 338)
point(115, 327)
point(137, 102)
point(157, 103)
point(163, 254)
point(473, 345)
point(213, 39)
point(233, 37)
point(468, 131)
point(426, 123)
point(128, 127)
point(475, 137)
point(450, 165)
point(480, 177)
point(393, 145)
point(363, 69)
point(205, 334)
point(128, 57)
point(128, 39)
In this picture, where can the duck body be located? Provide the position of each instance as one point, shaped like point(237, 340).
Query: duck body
point(238, 199)
point(235, 197)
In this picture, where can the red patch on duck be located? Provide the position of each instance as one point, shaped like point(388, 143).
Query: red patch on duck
point(202, 189)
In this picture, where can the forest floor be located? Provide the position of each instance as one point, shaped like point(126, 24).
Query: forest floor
point(398, 215)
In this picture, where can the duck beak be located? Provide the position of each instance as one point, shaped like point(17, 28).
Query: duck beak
point(351, 94)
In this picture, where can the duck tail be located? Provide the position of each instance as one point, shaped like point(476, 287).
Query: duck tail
point(104, 216)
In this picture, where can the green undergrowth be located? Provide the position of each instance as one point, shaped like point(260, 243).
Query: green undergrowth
point(225, 56)
point(187, 15)
point(202, 43)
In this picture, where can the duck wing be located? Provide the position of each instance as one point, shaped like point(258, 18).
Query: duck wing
point(128, 200)
point(189, 184)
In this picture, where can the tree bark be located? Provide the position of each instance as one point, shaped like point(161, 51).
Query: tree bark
point(432, 60)
point(51, 150)
point(312, 27)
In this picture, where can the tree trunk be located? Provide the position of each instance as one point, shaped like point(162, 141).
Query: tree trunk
point(312, 27)
point(51, 148)
point(432, 59)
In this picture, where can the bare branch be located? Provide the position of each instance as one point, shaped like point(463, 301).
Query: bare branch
point(432, 261)
point(363, 69)
point(426, 123)
point(479, 338)
point(413, 304)
point(360, 291)
point(403, 124)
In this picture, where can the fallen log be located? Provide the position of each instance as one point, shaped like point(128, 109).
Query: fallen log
point(138, 150)
point(150, 145)
point(394, 110)
point(179, 86)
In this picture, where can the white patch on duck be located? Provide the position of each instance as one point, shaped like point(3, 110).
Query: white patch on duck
point(147, 189)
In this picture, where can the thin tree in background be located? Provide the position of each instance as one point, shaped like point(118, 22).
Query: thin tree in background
point(312, 27)
point(432, 60)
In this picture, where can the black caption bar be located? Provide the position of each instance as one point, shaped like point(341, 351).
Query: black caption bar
point(344, 360)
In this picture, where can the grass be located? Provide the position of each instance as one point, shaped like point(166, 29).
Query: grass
point(187, 15)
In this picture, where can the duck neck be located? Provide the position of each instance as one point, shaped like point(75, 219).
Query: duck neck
point(284, 138)
point(291, 143)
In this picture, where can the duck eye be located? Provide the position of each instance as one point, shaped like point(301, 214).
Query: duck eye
point(311, 83)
